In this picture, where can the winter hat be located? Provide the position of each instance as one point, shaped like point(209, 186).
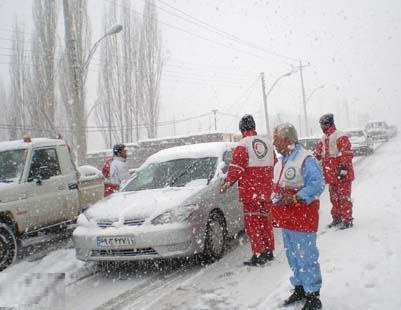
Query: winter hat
point(287, 130)
point(118, 148)
point(247, 123)
point(327, 119)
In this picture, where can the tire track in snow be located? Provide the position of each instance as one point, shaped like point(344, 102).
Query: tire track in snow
point(152, 290)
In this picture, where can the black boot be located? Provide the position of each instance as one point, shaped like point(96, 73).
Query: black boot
point(266, 256)
point(297, 295)
point(253, 261)
point(334, 223)
point(312, 301)
point(344, 225)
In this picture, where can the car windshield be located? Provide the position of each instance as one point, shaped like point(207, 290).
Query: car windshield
point(12, 165)
point(356, 133)
point(176, 173)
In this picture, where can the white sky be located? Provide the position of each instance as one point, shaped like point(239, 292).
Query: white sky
point(353, 48)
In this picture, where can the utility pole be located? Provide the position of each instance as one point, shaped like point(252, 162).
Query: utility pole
point(109, 123)
point(347, 115)
point(174, 129)
point(215, 119)
point(304, 99)
point(262, 77)
point(77, 90)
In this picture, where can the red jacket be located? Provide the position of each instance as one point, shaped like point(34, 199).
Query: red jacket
point(334, 151)
point(297, 216)
point(254, 182)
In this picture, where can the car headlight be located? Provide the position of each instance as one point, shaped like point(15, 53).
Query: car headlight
point(177, 215)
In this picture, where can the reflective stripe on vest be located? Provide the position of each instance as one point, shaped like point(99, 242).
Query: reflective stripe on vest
point(260, 151)
point(264, 214)
point(333, 149)
point(291, 176)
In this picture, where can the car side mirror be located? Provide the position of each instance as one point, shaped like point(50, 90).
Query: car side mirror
point(222, 169)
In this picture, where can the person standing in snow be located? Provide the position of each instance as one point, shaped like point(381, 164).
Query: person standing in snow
point(336, 155)
point(252, 166)
point(298, 183)
point(118, 171)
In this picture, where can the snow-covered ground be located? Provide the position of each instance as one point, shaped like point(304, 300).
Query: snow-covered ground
point(361, 267)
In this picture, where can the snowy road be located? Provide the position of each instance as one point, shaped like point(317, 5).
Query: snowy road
point(361, 266)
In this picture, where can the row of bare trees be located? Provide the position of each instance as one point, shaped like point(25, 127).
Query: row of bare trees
point(47, 94)
point(129, 81)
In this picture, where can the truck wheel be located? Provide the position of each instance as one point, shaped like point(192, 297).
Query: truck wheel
point(215, 241)
point(8, 246)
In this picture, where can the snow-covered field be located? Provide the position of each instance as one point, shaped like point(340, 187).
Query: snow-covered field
point(361, 267)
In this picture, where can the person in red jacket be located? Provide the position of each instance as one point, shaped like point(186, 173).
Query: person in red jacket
point(252, 166)
point(335, 153)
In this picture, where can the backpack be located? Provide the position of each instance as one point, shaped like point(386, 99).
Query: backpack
point(106, 167)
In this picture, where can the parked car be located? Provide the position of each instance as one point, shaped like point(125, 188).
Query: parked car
point(393, 130)
point(309, 143)
point(378, 131)
point(360, 142)
point(171, 207)
point(40, 188)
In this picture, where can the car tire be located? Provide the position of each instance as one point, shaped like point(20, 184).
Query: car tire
point(215, 239)
point(8, 246)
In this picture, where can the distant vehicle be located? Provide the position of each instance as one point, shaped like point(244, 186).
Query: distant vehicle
point(360, 142)
point(171, 207)
point(40, 188)
point(392, 131)
point(378, 131)
point(309, 143)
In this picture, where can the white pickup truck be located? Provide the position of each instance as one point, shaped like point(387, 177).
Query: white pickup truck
point(40, 188)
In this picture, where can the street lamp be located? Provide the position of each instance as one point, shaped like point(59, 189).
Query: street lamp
point(313, 91)
point(306, 101)
point(265, 95)
point(113, 30)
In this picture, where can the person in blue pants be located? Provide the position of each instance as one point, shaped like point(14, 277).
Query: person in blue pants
point(298, 183)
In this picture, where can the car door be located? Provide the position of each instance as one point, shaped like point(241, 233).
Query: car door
point(230, 201)
point(50, 191)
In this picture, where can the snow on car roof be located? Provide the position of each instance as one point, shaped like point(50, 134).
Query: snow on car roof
point(353, 129)
point(36, 142)
point(200, 150)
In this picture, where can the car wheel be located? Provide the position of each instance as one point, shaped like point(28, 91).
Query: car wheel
point(216, 234)
point(8, 246)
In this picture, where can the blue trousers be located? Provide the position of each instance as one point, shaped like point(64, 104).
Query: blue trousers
point(303, 255)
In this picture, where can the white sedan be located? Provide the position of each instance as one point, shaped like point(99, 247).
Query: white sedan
point(172, 207)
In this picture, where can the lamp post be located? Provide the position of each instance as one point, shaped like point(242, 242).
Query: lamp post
point(306, 102)
point(265, 95)
point(113, 30)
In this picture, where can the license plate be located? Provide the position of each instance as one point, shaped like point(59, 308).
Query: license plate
point(114, 241)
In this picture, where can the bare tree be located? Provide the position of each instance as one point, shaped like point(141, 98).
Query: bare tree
point(150, 67)
point(77, 37)
point(18, 118)
point(42, 95)
point(4, 116)
point(116, 104)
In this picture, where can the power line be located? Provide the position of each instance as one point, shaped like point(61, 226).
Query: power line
point(194, 34)
point(211, 28)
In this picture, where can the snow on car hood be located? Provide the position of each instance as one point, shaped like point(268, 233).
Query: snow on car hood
point(141, 204)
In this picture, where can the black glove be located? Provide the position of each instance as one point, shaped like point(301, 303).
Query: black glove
point(342, 172)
